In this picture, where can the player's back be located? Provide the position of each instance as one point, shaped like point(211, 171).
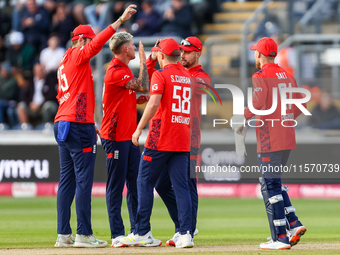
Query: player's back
point(277, 131)
point(169, 129)
point(76, 89)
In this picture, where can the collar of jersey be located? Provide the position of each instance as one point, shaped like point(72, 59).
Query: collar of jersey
point(194, 69)
point(120, 62)
point(267, 65)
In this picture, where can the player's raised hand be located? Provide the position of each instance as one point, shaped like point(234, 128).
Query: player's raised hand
point(154, 53)
point(129, 11)
point(135, 136)
point(142, 56)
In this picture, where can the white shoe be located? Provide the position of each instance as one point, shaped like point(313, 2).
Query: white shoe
point(88, 241)
point(280, 244)
point(155, 243)
point(196, 232)
point(65, 241)
point(136, 239)
point(185, 241)
point(295, 234)
point(173, 240)
point(116, 243)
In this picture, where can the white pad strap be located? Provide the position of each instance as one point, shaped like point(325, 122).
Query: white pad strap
point(289, 209)
point(285, 188)
point(275, 199)
point(279, 223)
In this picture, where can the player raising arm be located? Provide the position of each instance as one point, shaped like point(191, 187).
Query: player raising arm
point(118, 124)
point(75, 132)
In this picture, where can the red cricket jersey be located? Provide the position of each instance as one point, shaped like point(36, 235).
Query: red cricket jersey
point(76, 89)
point(119, 103)
point(200, 76)
point(273, 136)
point(169, 128)
point(150, 66)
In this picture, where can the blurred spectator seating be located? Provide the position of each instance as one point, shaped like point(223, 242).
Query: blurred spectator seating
point(177, 19)
point(62, 23)
point(287, 59)
point(161, 5)
point(38, 100)
point(202, 13)
point(20, 55)
point(3, 50)
point(77, 9)
point(325, 115)
point(50, 6)
point(99, 15)
point(120, 5)
point(34, 22)
point(148, 20)
point(51, 56)
point(5, 23)
point(9, 95)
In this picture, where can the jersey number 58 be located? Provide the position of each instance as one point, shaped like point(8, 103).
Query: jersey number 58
point(183, 103)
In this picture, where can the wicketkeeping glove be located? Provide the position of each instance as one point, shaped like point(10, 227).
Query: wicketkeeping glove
point(240, 136)
point(240, 128)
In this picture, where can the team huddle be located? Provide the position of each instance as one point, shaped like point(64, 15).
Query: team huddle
point(169, 158)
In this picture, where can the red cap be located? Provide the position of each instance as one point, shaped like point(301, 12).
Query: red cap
point(191, 44)
point(167, 46)
point(265, 46)
point(82, 31)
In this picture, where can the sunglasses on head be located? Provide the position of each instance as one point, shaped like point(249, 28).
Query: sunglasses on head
point(80, 35)
point(187, 43)
point(157, 45)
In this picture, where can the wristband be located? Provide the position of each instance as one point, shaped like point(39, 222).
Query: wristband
point(121, 21)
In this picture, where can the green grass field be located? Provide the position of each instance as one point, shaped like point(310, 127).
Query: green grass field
point(32, 222)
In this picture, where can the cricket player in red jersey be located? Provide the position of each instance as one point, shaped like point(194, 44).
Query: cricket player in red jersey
point(75, 132)
point(118, 125)
point(168, 143)
point(274, 143)
point(191, 50)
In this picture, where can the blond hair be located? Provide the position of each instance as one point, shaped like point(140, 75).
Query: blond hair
point(117, 41)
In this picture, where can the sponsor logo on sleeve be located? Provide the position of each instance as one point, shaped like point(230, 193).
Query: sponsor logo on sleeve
point(154, 87)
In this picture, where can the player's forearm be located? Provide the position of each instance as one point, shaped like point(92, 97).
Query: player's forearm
point(115, 25)
point(142, 83)
point(144, 76)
